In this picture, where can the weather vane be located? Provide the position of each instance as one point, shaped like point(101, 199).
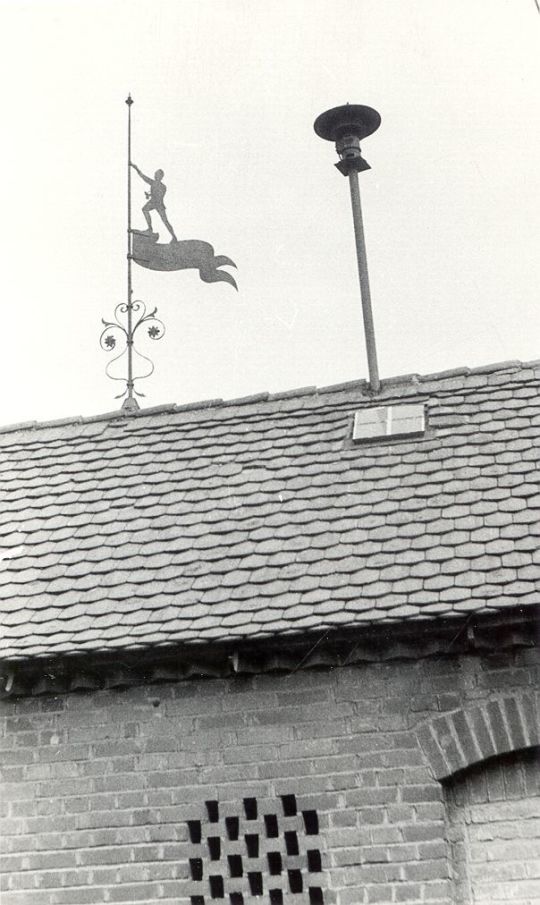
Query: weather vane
point(143, 248)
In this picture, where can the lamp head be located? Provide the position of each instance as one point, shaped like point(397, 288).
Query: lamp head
point(346, 126)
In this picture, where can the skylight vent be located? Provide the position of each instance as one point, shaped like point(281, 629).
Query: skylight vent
point(389, 421)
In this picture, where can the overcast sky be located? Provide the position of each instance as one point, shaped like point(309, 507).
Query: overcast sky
point(226, 92)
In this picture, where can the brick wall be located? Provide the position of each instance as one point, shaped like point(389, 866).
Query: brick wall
point(493, 813)
point(98, 788)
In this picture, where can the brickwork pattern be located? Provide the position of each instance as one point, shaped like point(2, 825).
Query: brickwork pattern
point(267, 849)
point(471, 734)
point(494, 828)
point(99, 790)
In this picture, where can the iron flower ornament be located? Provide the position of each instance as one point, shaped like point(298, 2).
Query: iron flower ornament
point(120, 333)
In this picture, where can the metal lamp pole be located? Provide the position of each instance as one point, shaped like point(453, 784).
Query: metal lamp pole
point(346, 126)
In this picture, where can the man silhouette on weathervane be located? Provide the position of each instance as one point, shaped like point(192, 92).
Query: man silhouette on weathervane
point(155, 199)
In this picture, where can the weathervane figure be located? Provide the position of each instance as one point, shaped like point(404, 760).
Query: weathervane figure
point(144, 249)
point(155, 199)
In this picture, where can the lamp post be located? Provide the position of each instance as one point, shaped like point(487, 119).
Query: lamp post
point(347, 126)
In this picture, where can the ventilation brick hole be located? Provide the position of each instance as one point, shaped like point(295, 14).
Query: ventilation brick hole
point(271, 824)
point(250, 808)
point(275, 864)
point(252, 845)
point(212, 809)
point(194, 829)
point(289, 805)
point(216, 887)
point(295, 881)
point(255, 883)
point(232, 825)
point(274, 858)
point(311, 822)
point(291, 843)
point(214, 847)
point(235, 865)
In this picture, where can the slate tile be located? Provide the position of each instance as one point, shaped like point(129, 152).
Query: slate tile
point(425, 597)
point(275, 626)
point(216, 634)
point(502, 545)
point(142, 631)
point(333, 582)
point(316, 597)
point(436, 609)
point(529, 573)
point(406, 611)
point(514, 559)
point(343, 617)
point(33, 650)
point(458, 470)
point(426, 569)
point(519, 588)
point(527, 516)
point(407, 585)
point(235, 620)
point(527, 544)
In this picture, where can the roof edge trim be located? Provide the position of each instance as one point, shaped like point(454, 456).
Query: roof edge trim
point(415, 380)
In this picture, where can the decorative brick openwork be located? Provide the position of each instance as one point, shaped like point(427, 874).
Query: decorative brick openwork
point(469, 735)
point(266, 851)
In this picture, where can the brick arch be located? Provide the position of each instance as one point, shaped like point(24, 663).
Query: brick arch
point(471, 734)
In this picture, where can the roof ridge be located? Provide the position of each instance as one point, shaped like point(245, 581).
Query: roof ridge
point(362, 385)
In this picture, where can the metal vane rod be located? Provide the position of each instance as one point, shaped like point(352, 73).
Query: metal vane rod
point(346, 126)
point(130, 402)
point(129, 316)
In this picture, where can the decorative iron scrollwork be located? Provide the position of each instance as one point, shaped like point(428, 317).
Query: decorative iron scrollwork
point(120, 334)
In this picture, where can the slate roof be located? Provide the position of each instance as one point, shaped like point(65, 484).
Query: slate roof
point(258, 518)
